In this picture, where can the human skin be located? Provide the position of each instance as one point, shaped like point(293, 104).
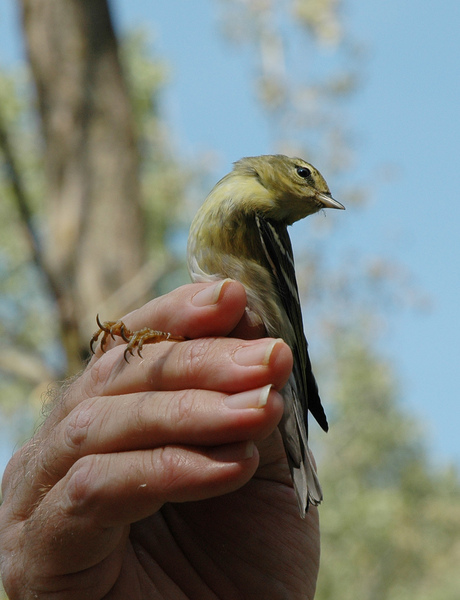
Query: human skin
point(162, 477)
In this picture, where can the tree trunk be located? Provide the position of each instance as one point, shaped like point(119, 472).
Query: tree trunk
point(94, 236)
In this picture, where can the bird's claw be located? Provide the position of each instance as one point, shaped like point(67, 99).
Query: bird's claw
point(135, 340)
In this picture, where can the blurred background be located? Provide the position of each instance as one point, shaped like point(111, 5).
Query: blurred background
point(116, 118)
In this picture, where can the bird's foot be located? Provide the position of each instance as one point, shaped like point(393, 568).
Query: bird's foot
point(135, 340)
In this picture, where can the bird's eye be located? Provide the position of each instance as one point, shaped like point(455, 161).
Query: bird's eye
point(303, 172)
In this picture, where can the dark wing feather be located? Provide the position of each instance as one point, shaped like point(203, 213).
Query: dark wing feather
point(278, 250)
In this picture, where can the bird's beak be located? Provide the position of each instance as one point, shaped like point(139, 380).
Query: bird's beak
point(329, 202)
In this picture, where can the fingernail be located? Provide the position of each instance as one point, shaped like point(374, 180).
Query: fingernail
point(209, 295)
point(255, 354)
point(233, 452)
point(252, 399)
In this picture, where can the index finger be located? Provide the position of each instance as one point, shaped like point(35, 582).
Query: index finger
point(195, 310)
point(192, 311)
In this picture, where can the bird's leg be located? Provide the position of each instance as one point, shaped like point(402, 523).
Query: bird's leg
point(133, 339)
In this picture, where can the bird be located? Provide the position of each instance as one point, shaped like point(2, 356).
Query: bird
point(240, 232)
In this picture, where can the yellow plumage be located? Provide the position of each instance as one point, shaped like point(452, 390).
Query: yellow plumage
point(240, 232)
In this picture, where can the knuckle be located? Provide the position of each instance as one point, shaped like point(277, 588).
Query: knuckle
point(78, 425)
point(140, 417)
point(181, 410)
point(198, 352)
point(81, 488)
point(199, 356)
point(187, 362)
point(100, 373)
point(170, 468)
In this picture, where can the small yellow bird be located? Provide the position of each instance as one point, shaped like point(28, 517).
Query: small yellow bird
point(240, 232)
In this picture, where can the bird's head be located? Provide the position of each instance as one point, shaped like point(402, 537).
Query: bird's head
point(293, 189)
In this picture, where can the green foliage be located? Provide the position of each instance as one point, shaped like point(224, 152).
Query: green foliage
point(26, 324)
point(390, 520)
point(32, 355)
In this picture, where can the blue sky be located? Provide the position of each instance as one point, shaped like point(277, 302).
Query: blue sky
point(406, 118)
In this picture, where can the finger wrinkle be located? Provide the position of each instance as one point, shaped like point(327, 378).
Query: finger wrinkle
point(78, 425)
point(189, 360)
point(142, 414)
point(105, 370)
point(177, 355)
point(170, 465)
point(82, 489)
point(182, 410)
point(197, 357)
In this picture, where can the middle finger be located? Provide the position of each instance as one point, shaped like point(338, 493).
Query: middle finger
point(150, 420)
point(221, 364)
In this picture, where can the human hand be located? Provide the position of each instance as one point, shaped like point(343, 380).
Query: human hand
point(144, 480)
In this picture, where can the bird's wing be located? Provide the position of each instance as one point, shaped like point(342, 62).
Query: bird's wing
point(278, 250)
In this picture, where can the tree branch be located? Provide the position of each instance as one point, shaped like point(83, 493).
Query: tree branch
point(23, 204)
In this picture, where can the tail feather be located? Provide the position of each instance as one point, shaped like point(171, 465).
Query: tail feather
point(294, 434)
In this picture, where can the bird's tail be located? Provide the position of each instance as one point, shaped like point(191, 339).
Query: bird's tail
point(294, 433)
point(306, 483)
